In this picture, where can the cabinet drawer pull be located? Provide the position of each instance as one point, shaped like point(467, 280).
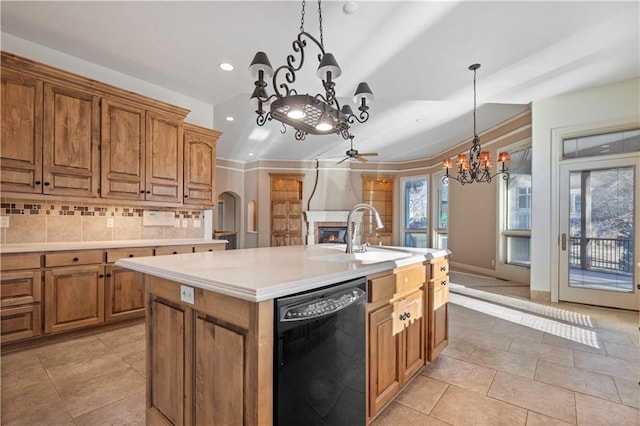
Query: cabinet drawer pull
point(38, 182)
point(46, 184)
point(108, 275)
point(443, 283)
point(443, 268)
point(142, 191)
point(148, 192)
point(75, 259)
point(210, 249)
point(131, 255)
point(186, 196)
point(100, 275)
point(175, 252)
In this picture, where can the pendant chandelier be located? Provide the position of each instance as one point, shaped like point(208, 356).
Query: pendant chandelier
point(319, 114)
point(476, 167)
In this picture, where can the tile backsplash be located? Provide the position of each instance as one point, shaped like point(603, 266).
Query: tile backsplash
point(40, 222)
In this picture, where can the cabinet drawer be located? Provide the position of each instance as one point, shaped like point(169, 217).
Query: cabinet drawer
point(14, 262)
point(115, 254)
point(20, 322)
point(161, 251)
point(381, 288)
point(410, 279)
point(208, 247)
point(72, 258)
point(20, 288)
point(406, 310)
point(438, 268)
point(439, 290)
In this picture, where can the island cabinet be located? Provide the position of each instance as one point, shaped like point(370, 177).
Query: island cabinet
point(438, 305)
point(396, 324)
point(209, 357)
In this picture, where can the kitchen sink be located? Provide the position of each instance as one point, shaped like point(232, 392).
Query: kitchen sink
point(367, 257)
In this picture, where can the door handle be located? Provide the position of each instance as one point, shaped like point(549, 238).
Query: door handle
point(564, 242)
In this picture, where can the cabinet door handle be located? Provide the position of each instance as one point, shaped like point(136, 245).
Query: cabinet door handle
point(75, 259)
point(443, 283)
point(408, 315)
point(37, 182)
point(186, 196)
point(100, 275)
point(46, 184)
point(142, 191)
point(148, 192)
point(443, 268)
point(108, 275)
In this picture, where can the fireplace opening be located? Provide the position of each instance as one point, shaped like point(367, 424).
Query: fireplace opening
point(332, 234)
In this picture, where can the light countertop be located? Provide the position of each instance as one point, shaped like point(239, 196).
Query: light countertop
point(44, 247)
point(260, 274)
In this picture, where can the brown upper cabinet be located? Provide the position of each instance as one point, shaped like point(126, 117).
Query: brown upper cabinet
point(63, 134)
point(199, 165)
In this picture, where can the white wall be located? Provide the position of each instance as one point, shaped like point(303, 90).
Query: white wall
point(589, 111)
point(201, 113)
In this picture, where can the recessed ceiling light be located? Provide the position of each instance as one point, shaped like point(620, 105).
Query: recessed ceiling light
point(225, 66)
point(230, 118)
point(251, 154)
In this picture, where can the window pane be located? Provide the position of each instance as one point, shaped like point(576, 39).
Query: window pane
point(415, 196)
point(415, 239)
point(519, 191)
point(443, 205)
point(604, 144)
point(518, 250)
point(441, 240)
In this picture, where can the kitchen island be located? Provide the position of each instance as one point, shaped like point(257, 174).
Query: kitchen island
point(210, 324)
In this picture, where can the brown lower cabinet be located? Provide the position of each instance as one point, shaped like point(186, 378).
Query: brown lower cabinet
point(124, 293)
point(438, 316)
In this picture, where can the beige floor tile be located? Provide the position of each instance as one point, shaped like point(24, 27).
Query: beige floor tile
point(129, 349)
point(462, 407)
point(35, 405)
point(422, 394)
point(621, 338)
point(459, 349)
point(606, 365)
point(100, 391)
point(482, 338)
point(537, 419)
point(399, 415)
point(629, 391)
point(129, 411)
point(543, 351)
point(547, 399)
point(471, 318)
point(122, 336)
point(595, 411)
point(575, 379)
point(71, 374)
point(517, 331)
point(595, 347)
point(21, 370)
point(625, 352)
point(521, 365)
point(74, 350)
point(138, 362)
point(460, 373)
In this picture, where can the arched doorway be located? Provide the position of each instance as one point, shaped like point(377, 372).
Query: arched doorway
point(228, 218)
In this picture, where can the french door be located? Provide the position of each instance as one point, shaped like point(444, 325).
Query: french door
point(599, 233)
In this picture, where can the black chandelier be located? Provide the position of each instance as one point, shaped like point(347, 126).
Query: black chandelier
point(477, 167)
point(316, 115)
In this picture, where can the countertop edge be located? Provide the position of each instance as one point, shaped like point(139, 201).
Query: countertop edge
point(98, 245)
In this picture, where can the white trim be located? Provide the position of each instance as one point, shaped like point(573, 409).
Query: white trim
point(403, 228)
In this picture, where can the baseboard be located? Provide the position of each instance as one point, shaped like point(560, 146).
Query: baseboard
point(540, 296)
point(476, 269)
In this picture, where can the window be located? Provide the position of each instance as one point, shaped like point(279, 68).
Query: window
point(517, 228)
point(415, 218)
point(441, 212)
point(603, 144)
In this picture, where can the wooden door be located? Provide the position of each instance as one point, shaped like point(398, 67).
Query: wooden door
point(71, 133)
point(219, 353)
point(413, 348)
point(384, 371)
point(21, 149)
point(200, 165)
point(123, 150)
point(164, 158)
point(74, 297)
point(125, 294)
point(438, 317)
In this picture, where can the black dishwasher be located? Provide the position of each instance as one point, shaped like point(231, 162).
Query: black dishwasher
point(319, 372)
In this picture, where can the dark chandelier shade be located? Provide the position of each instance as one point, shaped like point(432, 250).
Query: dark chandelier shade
point(477, 167)
point(320, 114)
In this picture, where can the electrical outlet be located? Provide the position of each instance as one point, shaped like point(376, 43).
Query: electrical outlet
point(196, 223)
point(109, 222)
point(186, 294)
point(184, 223)
point(177, 223)
point(4, 221)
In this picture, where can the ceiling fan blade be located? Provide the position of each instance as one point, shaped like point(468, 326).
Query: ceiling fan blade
point(361, 159)
point(369, 154)
point(343, 160)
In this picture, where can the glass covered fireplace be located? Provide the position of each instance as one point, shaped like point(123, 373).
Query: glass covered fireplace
point(332, 234)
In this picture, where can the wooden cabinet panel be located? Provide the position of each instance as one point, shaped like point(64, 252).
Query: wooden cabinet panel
point(219, 353)
point(74, 297)
point(209, 247)
point(70, 142)
point(411, 278)
point(199, 165)
point(20, 288)
point(438, 318)
point(21, 150)
point(161, 251)
point(14, 262)
point(413, 348)
point(125, 293)
point(438, 268)
point(115, 254)
point(164, 158)
point(73, 258)
point(167, 339)
point(384, 372)
point(123, 150)
point(20, 322)
point(440, 294)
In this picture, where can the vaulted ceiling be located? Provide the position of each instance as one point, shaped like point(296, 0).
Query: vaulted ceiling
point(414, 55)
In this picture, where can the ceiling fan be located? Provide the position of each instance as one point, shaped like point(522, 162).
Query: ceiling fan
point(354, 154)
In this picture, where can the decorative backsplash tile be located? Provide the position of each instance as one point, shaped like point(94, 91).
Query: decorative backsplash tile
point(36, 221)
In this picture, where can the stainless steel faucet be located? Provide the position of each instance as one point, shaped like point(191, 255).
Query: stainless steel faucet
point(379, 224)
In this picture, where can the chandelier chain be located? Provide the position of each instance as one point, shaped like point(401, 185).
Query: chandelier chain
point(320, 20)
point(302, 16)
point(475, 133)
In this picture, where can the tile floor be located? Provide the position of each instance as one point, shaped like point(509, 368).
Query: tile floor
point(509, 362)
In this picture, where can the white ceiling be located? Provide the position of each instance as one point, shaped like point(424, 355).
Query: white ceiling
point(414, 55)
